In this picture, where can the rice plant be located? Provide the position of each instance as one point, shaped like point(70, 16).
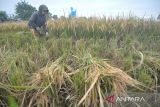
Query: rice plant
point(82, 62)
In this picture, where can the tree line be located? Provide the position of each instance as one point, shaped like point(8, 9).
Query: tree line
point(23, 11)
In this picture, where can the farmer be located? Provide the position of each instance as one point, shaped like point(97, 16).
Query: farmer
point(37, 22)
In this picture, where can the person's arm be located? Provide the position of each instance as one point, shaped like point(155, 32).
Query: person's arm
point(32, 21)
point(45, 27)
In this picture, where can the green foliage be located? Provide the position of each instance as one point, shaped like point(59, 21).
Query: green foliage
point(60, 69)
point(24, 10)
point(145, 77)
point(49, 16)
point(12, 102)
point(3, 16)
point(55, 17)
point(158, 17)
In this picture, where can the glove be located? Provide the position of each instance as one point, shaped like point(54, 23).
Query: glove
point(38, 29)
point(47, 35)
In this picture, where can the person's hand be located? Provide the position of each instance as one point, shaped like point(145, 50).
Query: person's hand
point(47, 34)
point(38, 29)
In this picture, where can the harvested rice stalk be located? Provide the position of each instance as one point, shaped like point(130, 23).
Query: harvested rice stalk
point(53, 78)
point(97, 71)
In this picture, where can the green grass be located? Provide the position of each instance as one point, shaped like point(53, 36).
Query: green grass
point(71, 66)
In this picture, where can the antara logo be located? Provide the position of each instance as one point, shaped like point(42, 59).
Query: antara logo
point(112, 99)
point(138, 99)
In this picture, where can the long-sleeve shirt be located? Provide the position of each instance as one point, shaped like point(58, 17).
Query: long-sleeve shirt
point(37, 20)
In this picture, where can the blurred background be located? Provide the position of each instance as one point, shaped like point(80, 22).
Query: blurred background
point(89, 8)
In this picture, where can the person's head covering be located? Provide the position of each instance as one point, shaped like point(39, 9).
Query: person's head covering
point(43, 8)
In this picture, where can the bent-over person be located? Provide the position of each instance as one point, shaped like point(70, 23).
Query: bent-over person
point(37, 22)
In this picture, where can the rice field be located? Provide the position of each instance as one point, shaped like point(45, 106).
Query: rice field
point(81, 62)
